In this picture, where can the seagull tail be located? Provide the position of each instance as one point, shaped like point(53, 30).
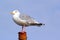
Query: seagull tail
point(37, 24)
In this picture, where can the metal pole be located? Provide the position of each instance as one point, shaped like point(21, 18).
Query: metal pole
point(22, 36)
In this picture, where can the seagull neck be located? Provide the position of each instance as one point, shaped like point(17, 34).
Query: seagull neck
point(16, 15)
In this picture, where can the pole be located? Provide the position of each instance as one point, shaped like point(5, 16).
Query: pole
point(22, 36)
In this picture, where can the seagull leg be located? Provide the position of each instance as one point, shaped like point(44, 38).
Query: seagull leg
point(23, 28)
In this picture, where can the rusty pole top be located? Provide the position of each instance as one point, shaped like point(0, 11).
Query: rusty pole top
point(22, 36)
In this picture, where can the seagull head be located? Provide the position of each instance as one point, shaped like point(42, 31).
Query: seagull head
point(15, 12)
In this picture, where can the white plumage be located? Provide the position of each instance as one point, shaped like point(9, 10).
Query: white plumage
point(24, 20)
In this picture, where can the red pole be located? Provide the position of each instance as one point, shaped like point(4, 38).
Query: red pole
point(22, 36)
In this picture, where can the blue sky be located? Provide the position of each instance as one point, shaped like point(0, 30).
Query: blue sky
point(45, 11)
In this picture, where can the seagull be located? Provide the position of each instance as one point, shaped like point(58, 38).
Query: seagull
point(24, 20)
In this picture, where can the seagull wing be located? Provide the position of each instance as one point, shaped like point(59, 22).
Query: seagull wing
point(27, 18)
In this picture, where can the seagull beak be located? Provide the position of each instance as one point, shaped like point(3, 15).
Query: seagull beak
point(12, 13)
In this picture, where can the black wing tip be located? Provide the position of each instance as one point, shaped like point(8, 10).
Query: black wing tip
point(37, 24)
point(40, 24)
point(43, 24)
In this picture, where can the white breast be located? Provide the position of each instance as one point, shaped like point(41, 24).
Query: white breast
point(18, 21)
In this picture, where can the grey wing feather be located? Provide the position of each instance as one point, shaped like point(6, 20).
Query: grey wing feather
point(26, 17)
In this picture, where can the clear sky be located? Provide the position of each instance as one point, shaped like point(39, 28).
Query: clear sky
point(45, 11)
